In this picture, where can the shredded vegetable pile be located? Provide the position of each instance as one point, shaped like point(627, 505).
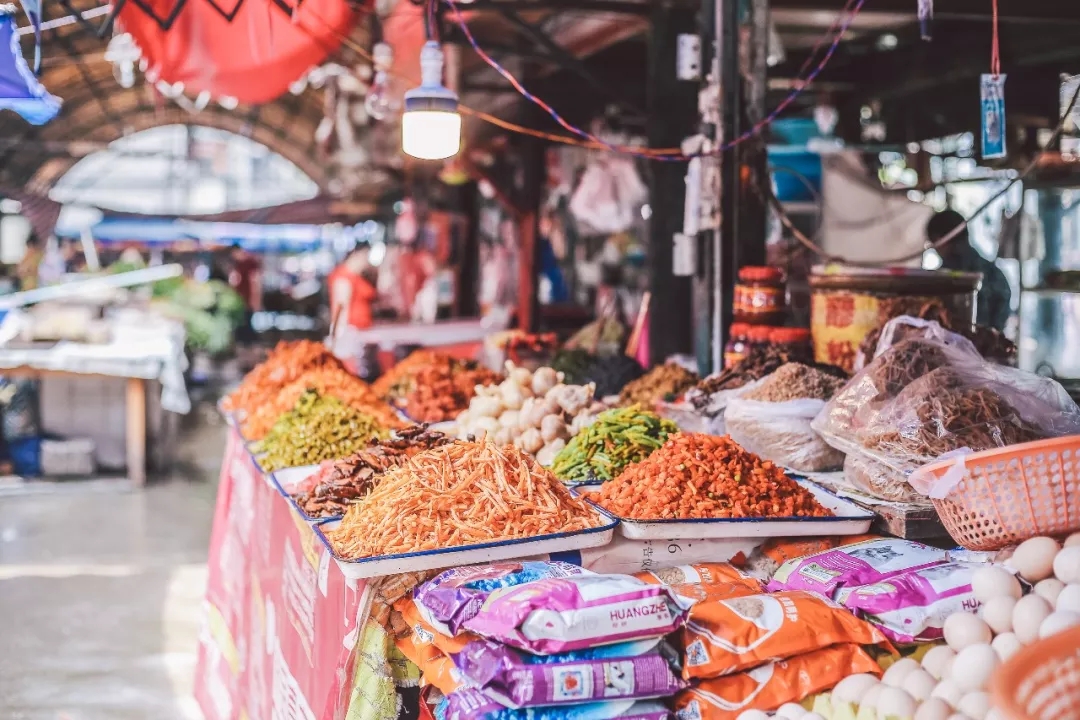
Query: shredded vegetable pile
point(617, 438)
point(399, 380)
point(460, 494)
point(704, 476)
point(330, 381)
point(286, 363)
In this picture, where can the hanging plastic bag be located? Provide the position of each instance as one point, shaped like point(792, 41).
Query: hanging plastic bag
point(781, 432)
point(609, 193)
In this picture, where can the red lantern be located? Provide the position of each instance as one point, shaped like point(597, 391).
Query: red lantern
point(251, 50)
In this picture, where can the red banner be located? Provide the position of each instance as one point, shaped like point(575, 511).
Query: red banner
point(280, 617)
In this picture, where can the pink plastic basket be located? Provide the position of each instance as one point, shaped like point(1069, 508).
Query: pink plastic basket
point(1010, 494)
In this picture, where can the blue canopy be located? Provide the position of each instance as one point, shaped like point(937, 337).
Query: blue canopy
point(19, 89)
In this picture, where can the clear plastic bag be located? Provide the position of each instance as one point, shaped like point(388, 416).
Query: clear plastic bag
point(781, 432)
point(877, 480)
point(923, 397)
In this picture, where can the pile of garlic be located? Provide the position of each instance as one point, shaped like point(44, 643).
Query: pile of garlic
point(532, 410)
point(952, 682)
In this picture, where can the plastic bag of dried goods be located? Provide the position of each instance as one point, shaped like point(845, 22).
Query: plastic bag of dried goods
point(727, 636)
point(781, 432)
point(853, 565)
point(769, 686)
point(767, 559)
point(557, 615)
point(703, 581)
point(923, 398)
point(877, 480)
point(516, 679)
point(452, 597)
point(912, 606)
point(472, 704)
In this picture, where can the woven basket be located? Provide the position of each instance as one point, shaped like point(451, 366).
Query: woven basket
point(1042, 681)
point(1010, 494)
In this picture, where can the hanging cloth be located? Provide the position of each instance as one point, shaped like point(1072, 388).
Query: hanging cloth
point(19, 89)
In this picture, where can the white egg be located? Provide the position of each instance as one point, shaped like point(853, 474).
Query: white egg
point(1072, 540)
point(973, 667)
point(1006, 645)
point(1067, 565)
point(1057, 622)
point(918, 684)
point(1050, 588)
point(993, 581)
point(933, 709)
point(948, 691)
point(853, 688)
point(898, 671)
point(958, 716)
point(753, 715)
point(937, 659)
point(791, 711)
point(963, 629)
point(871, 696)
point(1028, 615)
point(997, 613)
point(975, 705)
point(1069, 598)
point(895, 704)
point(1034, 558)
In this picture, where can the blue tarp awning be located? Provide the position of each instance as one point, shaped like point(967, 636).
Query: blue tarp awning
point(255, 238)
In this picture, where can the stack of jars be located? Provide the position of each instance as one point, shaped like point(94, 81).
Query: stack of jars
point(760, 309)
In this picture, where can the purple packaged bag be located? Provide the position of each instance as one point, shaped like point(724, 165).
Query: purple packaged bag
point(504, 675)
point(472, 704)
point(452, 597)
point(562, 614)
point(912, 606)
point(853, 565)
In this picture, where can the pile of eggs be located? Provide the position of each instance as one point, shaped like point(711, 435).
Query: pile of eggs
point(951, 682)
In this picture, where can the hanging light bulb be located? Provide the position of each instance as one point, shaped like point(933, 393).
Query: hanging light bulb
point(431, 125)
point(123, 54)
point(378, 103)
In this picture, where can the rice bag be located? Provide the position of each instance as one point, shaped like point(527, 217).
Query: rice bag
point(912, 606)
point(769, 686)
point(426, 647)
point(514, 679)
point(571, 613)
point(471, 704)
point(728, 636)
point(853, 565)
point(452, 597)
point(774, 552)
point(702, 581)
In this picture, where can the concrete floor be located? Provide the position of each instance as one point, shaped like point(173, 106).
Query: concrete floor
point(101, 590)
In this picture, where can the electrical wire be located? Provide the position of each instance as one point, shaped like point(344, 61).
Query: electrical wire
point(945, 239)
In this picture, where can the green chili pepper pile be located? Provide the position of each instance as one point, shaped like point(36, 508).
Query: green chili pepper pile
point(618, 438)
point(317, 428)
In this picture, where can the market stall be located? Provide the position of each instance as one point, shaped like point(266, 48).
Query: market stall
point(544, 551)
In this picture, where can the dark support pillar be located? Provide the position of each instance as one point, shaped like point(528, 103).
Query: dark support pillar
point(753, 158)
point(532, 178)
point(672, 112)
point(731, 126)
point(468, 256)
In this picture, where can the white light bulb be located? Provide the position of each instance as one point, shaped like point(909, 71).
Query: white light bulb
point(431, 125)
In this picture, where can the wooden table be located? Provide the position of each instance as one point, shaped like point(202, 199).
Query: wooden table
point(134, 414)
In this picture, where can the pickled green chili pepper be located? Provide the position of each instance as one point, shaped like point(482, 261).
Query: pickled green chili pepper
point(317, 428)
point(617, 438)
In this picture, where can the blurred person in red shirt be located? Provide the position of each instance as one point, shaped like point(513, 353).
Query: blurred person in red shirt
point(352, 291)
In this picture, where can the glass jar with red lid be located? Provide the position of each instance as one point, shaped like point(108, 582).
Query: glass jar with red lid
point(757, 336)
point(735, 349)
point(759, 296)
point(796, 342)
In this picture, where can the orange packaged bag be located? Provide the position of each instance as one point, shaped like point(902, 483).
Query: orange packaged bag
point(703, 581)
point(765, 560)
point(427, 648)
point(726, 636)
point(771, 685)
